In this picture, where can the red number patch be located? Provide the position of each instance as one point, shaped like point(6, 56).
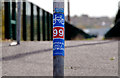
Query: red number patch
point(58, 32)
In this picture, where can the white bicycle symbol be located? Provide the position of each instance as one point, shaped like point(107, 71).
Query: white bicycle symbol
point(59, 19)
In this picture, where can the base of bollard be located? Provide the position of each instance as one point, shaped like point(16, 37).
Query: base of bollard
point(58, 66)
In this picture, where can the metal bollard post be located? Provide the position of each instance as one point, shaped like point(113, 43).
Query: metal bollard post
point(58, 38)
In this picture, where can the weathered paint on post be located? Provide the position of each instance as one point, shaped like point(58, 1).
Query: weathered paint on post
point(58, 38)
point(19, 23)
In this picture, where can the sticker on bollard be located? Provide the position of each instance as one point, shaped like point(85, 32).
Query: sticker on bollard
point(58, 20)
point(58, 34)
point(59, 10)
point(58, 47)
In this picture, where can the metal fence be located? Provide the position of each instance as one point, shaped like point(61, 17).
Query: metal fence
point(36, 23)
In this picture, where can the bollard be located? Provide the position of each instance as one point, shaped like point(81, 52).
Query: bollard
point(58, 38)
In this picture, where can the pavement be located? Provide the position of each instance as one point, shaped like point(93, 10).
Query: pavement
point(82, 58)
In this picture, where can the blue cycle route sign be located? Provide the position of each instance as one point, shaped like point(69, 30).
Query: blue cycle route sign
point(58, 34)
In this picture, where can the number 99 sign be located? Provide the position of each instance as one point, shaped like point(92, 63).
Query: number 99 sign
point(58, 32)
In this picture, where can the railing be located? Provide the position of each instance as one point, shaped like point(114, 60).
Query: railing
point(36, 22)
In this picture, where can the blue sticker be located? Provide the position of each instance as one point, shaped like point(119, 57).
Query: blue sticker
point(58, 20)
point(59, 10)
point(58, 47)
point(58, 34)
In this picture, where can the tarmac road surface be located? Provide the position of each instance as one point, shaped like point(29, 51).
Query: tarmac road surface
point(82, 58)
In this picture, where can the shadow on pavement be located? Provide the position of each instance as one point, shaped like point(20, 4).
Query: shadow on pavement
point(20, 55)
point(89, 44)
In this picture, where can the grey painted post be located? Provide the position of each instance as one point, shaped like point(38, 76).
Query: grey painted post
point(19, 23)
point(58, 38)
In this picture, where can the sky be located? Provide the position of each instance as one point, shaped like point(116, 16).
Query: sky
point(93, 8)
